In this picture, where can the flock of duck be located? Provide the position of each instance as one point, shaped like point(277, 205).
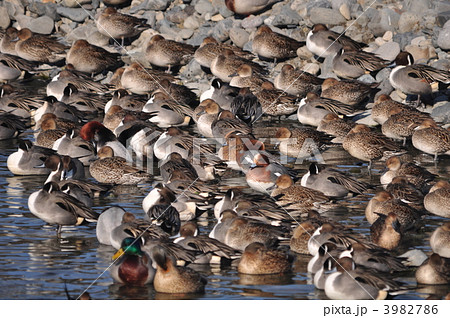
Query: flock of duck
point(117, 128)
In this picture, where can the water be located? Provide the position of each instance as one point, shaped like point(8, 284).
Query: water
point(35, 264)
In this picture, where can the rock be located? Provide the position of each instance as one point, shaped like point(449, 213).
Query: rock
point(24, 21)
point(192, 69)
point(222, 29)
point(407, 22)
point(286, 17)
point(176, 15)
point(98, 39)
point(82, 32)
point(441, 113)
point(14, 7)
point(326, 69)
point(442, 18)
point(442, 64)
point(366, 78)
point(185, 33)
point(312, 68)
point(43, 25)
point(74, 14)
point(204, 6)
point(191, 22)
point(388, 51)
point(379, 41)
point(418, 40)
point(248, 46)
point(443, 40)
point(345, 11)
point(388, 36)
point(44, 9)
point(217, 18)
point(252, 21)
point(389, 19)
point(239, 37)
point(4, 18)
point(422, 54)
point(417, 6)
point(157, 5)
point(75, 3)
point(383, 74)
point(325, 16)
point(304, 53)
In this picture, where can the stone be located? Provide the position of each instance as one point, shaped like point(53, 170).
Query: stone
point(408, 22)
point(42, 25)
point(336, 4)
point(221, 31)
point(326, 69)
point(191, 22)
point(417, 41)
point(239, 37)
point(14, 7)
point(366, 78)
point(248, 46)
point(252, 21)
point(443, 40)
point(379, 41)
point(81, 32)
point(420, 53)
point(286, 17)
point(157, 5)
point(74, 14)
point(44, 9)
point(441, 113)
point(192, 69)
point(98, 39)
point(24, 21)
point(345, 11)
point(383, 74)
point(388, 51)
point(75, 3)
point(325, 16)
point(312, 68)
point(389, 19)
point(204, 6)
point(176, 15)
point(185, 33)
point(304, 53)
point(442, 64)
point(217, 18)
point(388, 36)
point(4, 18)
point(417, 6)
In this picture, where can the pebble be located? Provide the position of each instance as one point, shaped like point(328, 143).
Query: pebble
point(252, 21)
point(408, 22)
point(24, 21)
point(4, 18)
point(421, 53)
point(417, 6)
point(75, 3)
point(443, 40)
point(185, 33)
point(304, 53)
point(388, 51)
point(286, 16)
point(389, 19)
point(217, 18)
point(98, 39)
point(43, 25)
point(191, 23)
point(441, 112)
point(325, 16)
point(388, 36)
point(204, 6)
point(239, 37)
point(345, 11)
point(74, 14)
point(312, 68)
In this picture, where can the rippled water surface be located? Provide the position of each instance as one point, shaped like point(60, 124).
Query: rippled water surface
point(34, 263)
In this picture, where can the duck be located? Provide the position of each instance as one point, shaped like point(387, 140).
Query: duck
point(271, 45)
point(112, 169)
point(176, 162)
point(287, 192)
point(39, 48)
point(244, 77)
point(101, 136)
point(300, 237)
point(297, 82)
point(227, 64)
point(11, 125)
point(74, 146)
point(92, 59)
point(173, 140)
point(131, 265)
point(247, 7)
point(438, 198)
point(298, 142)
point(180, 93)
point(83, 101)
point(434, 271)
point(8, 74)
point(375, 258)
point(56, 207)
point(323, 42)
point(18, 103)
point(166, 111)
point(405, 191)
point(168, 53)
point(259, 260)
point(328, 232)
point(59, 109)
point(354, 64)
point(246, 106)
point(204, 115)
point(227, 123)
point(117, 25)
point(416, 175)
point(79, 80)
point(128, 101)
point(384, 105)
point(440, 240)
point(142, 81)
point(431, 139)
point(173, 279)
point(348, 92)
point(49, 133)
point(333, 125)
point(362, 143)
point(313, 109)
point(29, 159)
point(275, 102)
point(331, 182)
point(415, 79)
point(210, 48)
point(64, 167)
point(211, 250)
point(221, 93)
point(350, 282)
point(265, 173)
point(386, 231)
point(401, 124)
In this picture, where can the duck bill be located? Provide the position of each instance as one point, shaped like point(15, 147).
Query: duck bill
point(233, 75)
point(118, 254)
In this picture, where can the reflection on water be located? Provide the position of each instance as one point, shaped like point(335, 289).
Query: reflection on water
point(34, 264)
